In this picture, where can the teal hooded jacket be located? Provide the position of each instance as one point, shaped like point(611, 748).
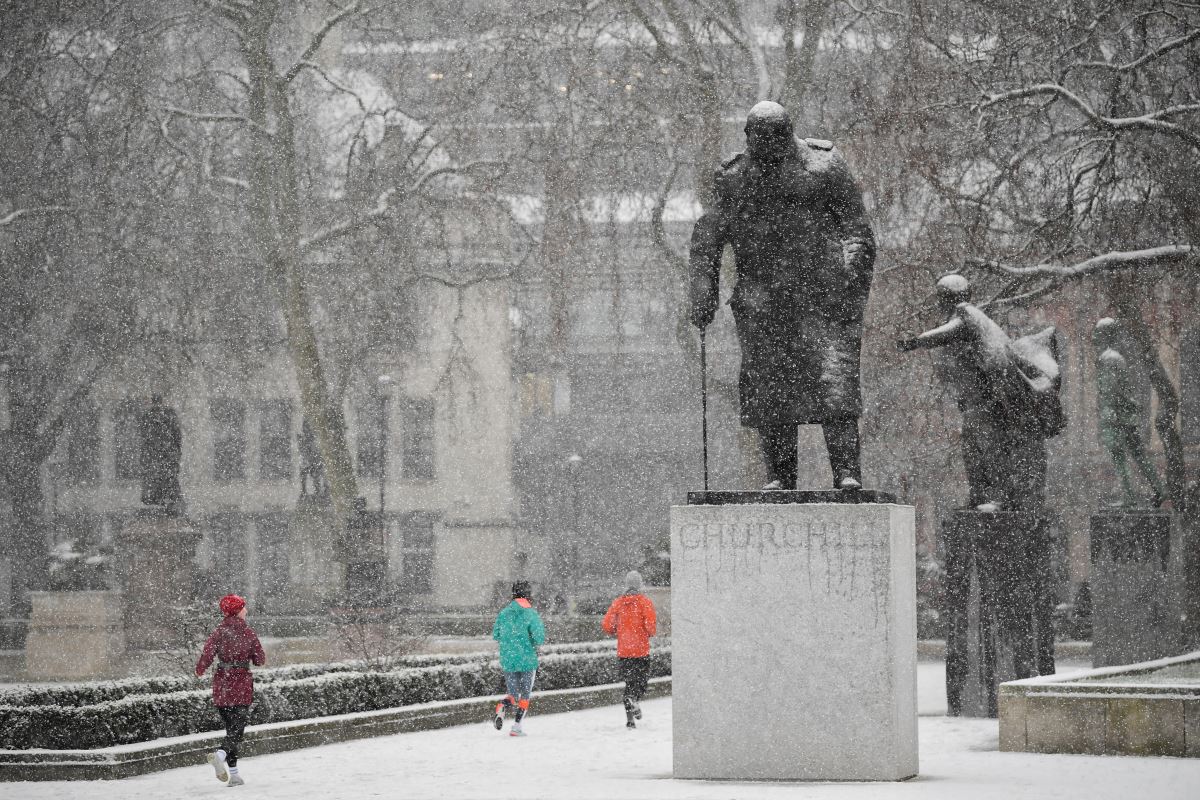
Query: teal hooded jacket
point(519, 631)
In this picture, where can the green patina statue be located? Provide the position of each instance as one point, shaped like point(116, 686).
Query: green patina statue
point(1121, 414)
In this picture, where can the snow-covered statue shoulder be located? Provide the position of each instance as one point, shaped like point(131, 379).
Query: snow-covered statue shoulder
point(1008, 391)
point(804, 251)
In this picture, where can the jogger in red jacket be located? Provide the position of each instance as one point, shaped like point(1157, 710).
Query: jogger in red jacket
point(235, 647)
point(632, 618)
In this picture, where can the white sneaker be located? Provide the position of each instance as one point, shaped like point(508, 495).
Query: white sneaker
point(516, 730)
point(217, 759)
point(235, 780)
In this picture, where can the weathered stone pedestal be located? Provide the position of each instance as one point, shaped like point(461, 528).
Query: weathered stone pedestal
point(998, 604)
point(794, 639)
point(1133, 618)
point(74, 635)
point(156, 553)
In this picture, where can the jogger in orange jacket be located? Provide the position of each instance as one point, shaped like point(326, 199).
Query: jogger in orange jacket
point(632, 618)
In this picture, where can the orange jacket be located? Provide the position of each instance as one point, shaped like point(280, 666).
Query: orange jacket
point(631, 617)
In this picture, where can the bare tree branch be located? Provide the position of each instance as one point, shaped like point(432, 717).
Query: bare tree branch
point(1166, 256)
point(1156, 53)
point(659, 233)
point(318, 38)
point(1152, 121)
point(32, 210)
point(205, 116)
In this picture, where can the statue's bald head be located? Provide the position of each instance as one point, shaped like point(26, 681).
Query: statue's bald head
point(1106, 332)
point(768, 111)
point(953, 289)
point(768, 132)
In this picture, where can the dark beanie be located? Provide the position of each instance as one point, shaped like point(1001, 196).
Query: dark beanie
point(520, 589)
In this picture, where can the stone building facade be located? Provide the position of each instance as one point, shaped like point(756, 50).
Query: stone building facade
point(445, 478)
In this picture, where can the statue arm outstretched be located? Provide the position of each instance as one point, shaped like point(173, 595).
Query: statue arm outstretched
point(943, 335)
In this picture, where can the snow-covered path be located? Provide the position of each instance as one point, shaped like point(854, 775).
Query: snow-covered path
point(589, 755)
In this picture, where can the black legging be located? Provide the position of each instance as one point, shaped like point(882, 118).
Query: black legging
point(636, 674)
point(235, 719)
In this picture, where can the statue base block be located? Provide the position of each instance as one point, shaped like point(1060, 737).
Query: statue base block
point(1132, 615)
point(793, 642)
point(158, 572)
point(998, 605)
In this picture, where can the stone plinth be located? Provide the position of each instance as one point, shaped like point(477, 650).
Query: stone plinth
point(1132, 615)
point(74, 635)
point(316, 574)
point(998, 605)
point(793, 641)
point(158, 571)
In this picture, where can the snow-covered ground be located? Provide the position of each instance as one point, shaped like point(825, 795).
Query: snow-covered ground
point(589, 754)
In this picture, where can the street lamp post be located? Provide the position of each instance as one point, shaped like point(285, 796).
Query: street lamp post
point(573, 462)
point(384, 382)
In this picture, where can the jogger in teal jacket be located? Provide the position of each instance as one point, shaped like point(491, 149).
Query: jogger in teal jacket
point(519, 631)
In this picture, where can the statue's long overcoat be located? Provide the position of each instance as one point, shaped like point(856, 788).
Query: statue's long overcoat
point(804, 253)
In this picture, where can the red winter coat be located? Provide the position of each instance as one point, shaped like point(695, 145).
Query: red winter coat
point(631, 617)
point(232, 641)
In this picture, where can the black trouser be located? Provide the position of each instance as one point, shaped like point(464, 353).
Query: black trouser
point(636, 674)
point(841, 440)
point(235, 719)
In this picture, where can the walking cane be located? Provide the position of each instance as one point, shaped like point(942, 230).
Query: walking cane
point(704, 404)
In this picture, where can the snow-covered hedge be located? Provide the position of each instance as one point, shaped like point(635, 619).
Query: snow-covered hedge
point(173, 707)
point(86, 693)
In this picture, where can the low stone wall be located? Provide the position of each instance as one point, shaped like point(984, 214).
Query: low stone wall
point(161, 754)
point(1141, 709)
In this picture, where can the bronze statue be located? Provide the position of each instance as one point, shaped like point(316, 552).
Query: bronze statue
point(1008, 393)
point(311, 465)
point(160, 453)
point(1121, 414)
point(804, 252)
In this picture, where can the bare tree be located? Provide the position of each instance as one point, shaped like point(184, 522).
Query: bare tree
point(270, 80)
point(1080, 166)
point(77, 231)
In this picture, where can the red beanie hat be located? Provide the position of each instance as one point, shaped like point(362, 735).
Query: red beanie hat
point(232, 604)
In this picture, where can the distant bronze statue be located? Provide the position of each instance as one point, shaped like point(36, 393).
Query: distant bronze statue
point(1008, 393)
point(160, 453)
point(311, 466)
point(804, 252)
point(1121, 415)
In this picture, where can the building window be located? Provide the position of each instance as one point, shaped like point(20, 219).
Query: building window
point(229, 439)
point(273, 565)
point(127, 441)
point(372, 437)
point(416, 532)
point(228, 533)
point(275, 440)
point(83, 446)
point(418, 461)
